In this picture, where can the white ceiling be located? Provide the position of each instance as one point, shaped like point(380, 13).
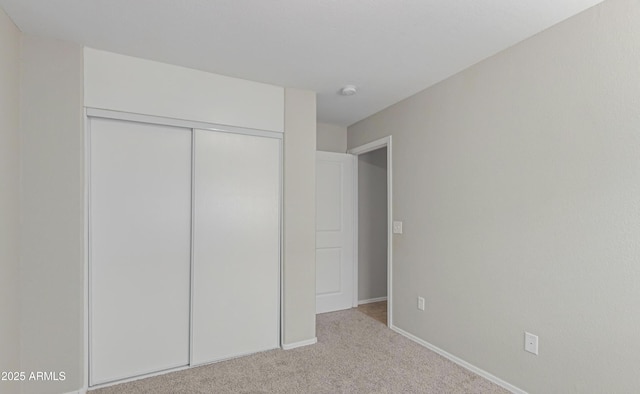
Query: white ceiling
point(389, 49)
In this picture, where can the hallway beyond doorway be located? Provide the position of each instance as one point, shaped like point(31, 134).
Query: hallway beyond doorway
point(375, 310)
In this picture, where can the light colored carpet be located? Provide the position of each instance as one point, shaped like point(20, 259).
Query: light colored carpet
point(354, 354)
point(376, 310)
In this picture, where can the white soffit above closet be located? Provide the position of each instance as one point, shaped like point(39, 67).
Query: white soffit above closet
point(388, 49)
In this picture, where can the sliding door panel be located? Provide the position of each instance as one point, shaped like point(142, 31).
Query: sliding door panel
point(236, 271)
point(140, 225)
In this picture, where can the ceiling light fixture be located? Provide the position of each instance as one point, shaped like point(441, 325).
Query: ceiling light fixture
point(348, 90)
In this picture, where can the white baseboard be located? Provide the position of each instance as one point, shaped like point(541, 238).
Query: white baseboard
point(372, 300)
point(289, 346)
point(461, 362)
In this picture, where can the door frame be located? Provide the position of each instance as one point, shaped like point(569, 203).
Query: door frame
point(385, 142)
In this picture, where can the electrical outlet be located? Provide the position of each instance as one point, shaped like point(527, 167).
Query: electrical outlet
point(531, 343)
point(421, 303)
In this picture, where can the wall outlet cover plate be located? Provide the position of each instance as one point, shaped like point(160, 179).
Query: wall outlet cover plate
point(531, 343)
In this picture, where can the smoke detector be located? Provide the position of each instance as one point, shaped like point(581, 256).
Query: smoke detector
point(348, 90)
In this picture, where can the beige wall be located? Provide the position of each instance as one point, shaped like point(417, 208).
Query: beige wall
point(331, 138)
point(130, 84)
point(52, 236)
point(9, 200)
point(518, 181)
point(299, 216)
point(372, 225)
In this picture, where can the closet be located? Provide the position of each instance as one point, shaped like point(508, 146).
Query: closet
point(184, 244)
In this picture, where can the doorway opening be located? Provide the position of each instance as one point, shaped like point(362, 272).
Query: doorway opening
point(373, 231)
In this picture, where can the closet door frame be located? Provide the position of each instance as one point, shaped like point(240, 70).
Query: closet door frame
point(91, 113)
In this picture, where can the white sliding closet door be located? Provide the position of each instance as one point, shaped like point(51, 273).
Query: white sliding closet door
point(236, 268)
point(140, 224)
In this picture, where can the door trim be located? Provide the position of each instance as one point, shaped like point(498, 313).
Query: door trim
point(385, 142)
point(187, 124)
point(354, 302)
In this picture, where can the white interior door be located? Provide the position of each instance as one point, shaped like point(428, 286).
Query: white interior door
point(139, 228)
point(236, 271)
point(334, 231)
